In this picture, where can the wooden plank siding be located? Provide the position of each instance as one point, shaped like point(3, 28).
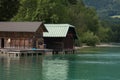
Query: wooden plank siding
point(17, 42)
point(54, 43)
point(17, 34)
point(22, 38)
point(68, 43)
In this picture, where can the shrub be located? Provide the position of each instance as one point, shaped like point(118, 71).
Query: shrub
point(90, 39)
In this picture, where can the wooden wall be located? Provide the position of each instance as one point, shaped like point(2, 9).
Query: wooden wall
point(17, 43)
point(68, 43)
point(53, 43)
point(16, 34)
point(21, 39)
point(59, 43)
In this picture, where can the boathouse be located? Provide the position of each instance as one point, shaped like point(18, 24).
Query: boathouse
point(21, 34)
point(60, 37)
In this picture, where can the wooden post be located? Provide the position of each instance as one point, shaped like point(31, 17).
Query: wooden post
point(0, 42)
point(15, 43)
point(28, 43)
point(24, 43)
point(37, 43)
point(19, 42)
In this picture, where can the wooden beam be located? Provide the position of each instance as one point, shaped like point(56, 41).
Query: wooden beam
point(24, 43)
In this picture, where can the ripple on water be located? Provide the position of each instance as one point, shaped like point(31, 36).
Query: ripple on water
point(97, 62)
point(102, 65)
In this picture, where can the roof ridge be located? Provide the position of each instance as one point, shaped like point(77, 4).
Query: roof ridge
point(62, 25)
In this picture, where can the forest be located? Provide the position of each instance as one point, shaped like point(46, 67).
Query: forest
point(105, 8)
point(109, 13)
point(90, 28)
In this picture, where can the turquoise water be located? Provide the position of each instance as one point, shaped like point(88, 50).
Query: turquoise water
point(92, 64)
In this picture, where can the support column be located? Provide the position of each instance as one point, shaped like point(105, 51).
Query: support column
point(15, 42)
point(36, 43)
point(24, 43)
point(19, 43)
point(29, 43)
point(0, 42)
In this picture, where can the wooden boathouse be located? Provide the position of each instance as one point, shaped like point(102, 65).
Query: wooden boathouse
point(22, 38)
point(21, 34)
point(60, 37)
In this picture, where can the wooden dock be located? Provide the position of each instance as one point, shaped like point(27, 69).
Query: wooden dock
point(24, 52)
point(13, 53)
point(63, 51)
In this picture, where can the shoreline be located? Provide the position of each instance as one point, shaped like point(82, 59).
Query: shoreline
point(108, 45)
point(100, 45)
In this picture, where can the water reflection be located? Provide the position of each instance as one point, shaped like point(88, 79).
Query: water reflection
point(34, 68)
point(86, 66)
point(25, 68)
point(55, 68)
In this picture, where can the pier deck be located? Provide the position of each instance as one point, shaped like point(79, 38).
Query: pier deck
point(24, 52)
point(12, 52)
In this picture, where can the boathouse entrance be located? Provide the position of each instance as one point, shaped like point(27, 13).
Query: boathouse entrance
point(2, 42)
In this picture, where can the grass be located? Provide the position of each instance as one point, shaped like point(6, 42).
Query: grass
point(115, 16)
point(93, 49)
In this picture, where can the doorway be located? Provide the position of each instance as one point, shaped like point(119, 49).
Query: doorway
point(34, 43)
point(2, 42)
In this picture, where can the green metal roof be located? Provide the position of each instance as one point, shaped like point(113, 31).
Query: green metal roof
point(56, 30)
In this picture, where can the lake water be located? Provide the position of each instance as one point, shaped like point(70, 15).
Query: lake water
point(89, 64)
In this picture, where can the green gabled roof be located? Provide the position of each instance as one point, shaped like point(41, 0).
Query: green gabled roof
point(57, 30)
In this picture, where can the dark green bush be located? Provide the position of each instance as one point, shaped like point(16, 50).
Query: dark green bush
point(90, 39)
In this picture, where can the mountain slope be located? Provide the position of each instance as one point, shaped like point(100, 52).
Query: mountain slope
point(105, 8)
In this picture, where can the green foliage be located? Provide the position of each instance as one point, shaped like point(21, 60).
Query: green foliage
point(72, 1)
point(90, 39)
point(8, 8)
point(105, 7)
point(26, 11)
point(104, 32)
point(85, 19)
point(115, 36)
point(111, 26)
point(48, 11)
point(62, 11)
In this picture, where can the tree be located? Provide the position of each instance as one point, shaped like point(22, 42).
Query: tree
point(90, 39)
point(85, 19)
point(8, 8)
point(73, 2)
point(26, 10)
point(48, 11)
